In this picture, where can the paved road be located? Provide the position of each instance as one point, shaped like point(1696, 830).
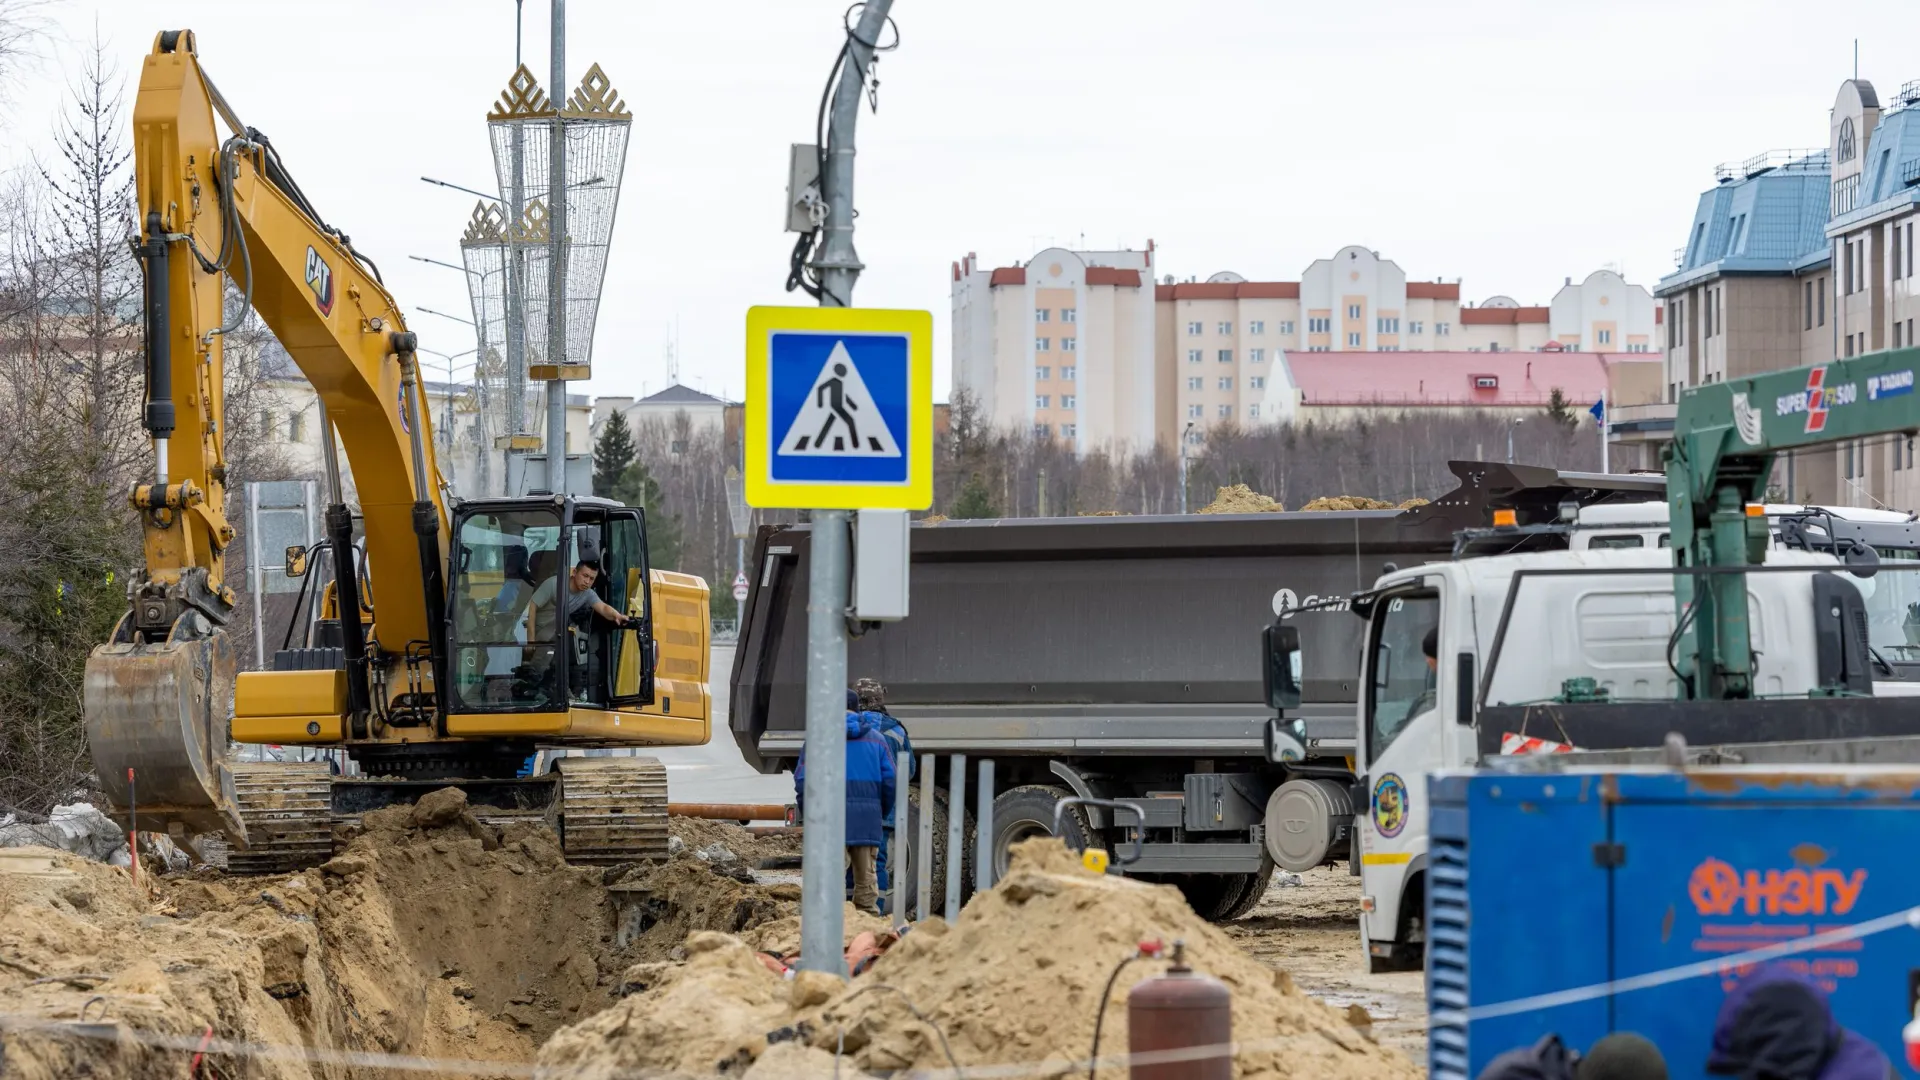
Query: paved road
point(715, 773)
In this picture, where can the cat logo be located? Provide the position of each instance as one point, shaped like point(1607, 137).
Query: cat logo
point(320, 280)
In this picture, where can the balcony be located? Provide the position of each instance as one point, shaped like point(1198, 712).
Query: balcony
point(1772, 161)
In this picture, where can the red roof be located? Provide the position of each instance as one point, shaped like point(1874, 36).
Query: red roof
point(1229, 290)
point(1432, 290)
point(1112, 275)
point(1448, 378)
point(1008, 275)
point(1501, 316)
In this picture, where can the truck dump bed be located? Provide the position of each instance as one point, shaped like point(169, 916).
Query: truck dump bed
point(1115, 635)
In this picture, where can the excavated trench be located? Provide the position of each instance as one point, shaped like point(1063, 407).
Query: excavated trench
point(435, 945)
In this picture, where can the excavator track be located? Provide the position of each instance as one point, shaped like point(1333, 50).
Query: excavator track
point(288, 811)
point(613, 810)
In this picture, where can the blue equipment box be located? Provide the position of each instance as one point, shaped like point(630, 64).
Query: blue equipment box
point(1543, 882)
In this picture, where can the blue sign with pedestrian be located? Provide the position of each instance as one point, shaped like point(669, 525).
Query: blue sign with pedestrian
point(838, 403)
point(839, 409)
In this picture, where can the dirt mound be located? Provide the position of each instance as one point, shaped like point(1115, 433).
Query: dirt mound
point(1349, 502)
point(431, 934)
point(748, 844)
point(1016, 980)
point(1241, 499)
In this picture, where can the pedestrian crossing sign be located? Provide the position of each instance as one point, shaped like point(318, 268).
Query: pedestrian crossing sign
point(839, 410)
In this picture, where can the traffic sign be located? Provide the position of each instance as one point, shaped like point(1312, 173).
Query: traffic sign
point(839, 409)
point(739, 588)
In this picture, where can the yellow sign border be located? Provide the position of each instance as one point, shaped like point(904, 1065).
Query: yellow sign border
point(763, 490)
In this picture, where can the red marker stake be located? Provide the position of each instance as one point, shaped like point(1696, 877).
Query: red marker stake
point(133, 830)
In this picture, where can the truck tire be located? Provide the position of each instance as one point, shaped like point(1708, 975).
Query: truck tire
point(940, 823)
point(1027, 811)
point(1252, 894)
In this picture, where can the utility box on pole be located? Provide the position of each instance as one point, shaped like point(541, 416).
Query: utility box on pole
point(880, 565)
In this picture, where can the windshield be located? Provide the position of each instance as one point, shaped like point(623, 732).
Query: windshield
point(1893, 608)
point(1401, 674)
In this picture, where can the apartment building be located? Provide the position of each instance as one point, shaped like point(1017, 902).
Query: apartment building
point(1062, 345)
point(1795, 258)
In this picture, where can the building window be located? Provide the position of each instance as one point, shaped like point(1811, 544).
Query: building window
point(1849, 466)
point(1193, 356)
point(1353, 311)
point(1806, 289)
point(1042, 401)
point(1605, 337)
point(1389, 348)
point(1069, 344)
point(1849, 353)
point(1071, 315)
point(1286, 326)
point(1043, 344)
point(1194, 412)
point(1226, 382)
point(1193, 329)
point(1041, 314)
point(1909, 272)
point(264, 430)
point(1896, 335)
point(1196, 383)
point(1225, 356)
point(1253, 412)
point(1441, 328)
point(1353, 341)
point(1256, 327)
point(1894, 251)
point(1820, 299)
point(1384, 325)
point(1256, 356)
point(1416, 327)
point(1257, 382)
point(1043, 373)
point(1068, 401)
point(1226, 328)
point(1317, 348)
point(296, 427)
point(1069, 431)
point(1845, 150)
point(1319, 326)
point(1069, 373)
point(1225, 412)
point(1041, 431)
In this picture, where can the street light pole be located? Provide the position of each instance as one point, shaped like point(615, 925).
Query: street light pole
point(822, 889)
point(1511, 424)
point(1185, 437)
point(557, 261)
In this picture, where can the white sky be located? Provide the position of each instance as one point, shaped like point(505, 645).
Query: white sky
point(1508, 143)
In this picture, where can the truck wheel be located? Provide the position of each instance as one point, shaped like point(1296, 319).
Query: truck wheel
point(939, 853)
point(1025, 812)
point(1211, 896)
point(1252, 894)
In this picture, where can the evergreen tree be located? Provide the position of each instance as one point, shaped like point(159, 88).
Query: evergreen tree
point(1560, 410)
point(974, 500)
point(637, 487)
point(613, 455)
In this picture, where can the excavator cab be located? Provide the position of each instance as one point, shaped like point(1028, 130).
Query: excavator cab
point(523, 634)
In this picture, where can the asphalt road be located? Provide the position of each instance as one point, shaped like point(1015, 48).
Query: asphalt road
point(715, 773)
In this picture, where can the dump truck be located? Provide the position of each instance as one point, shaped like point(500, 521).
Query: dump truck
point(1115, 657)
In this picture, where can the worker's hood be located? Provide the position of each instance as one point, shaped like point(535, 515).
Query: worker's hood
point(858, 724)
point(1777, 1023)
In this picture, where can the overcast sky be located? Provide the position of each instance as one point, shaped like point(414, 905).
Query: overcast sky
point(1511, 144)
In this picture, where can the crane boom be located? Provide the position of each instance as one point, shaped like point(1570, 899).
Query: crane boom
point(1726, 437)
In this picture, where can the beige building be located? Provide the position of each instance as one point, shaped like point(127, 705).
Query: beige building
point(1070, 344)
point(1062, 345)
point(1796, 258)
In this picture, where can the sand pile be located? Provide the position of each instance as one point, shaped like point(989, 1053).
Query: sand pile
point(748, 844)
point(1017, 979)
point(431, 934)
point(1241, 499)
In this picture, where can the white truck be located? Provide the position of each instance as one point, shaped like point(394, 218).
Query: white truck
point(1528, 649)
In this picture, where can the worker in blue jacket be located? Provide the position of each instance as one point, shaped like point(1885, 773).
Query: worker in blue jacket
point(869, 791)
point(869, 697)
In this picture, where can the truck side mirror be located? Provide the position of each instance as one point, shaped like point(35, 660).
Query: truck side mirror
point(1280, 648)
point(296, 561)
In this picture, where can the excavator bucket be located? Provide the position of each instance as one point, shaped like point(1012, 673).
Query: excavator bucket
point(161, 710)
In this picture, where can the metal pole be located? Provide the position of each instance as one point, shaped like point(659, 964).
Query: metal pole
point(1606, 429)
point(923, 862)
point(956, 830)
point(1183, 468)
point(983, 867)
point(254, 575)
point(897, 858)
point(822, 888)
point(557, 260)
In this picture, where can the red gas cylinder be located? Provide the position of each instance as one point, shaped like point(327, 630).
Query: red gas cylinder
point(1180, 1011)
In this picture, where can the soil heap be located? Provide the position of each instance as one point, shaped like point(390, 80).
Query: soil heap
point(1016, 980)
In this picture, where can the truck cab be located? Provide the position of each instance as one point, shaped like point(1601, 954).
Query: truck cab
point(1515, 636)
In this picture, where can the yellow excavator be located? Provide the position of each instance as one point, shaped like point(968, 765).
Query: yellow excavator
point(487, 631)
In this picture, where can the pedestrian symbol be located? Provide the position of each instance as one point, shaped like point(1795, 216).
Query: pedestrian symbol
point(839, 409)
point(839, 417)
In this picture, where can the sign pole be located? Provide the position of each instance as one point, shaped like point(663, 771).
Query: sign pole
point(823, 889)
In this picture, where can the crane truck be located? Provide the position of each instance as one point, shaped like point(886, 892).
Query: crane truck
point(453, 653)
point(1611, 652)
